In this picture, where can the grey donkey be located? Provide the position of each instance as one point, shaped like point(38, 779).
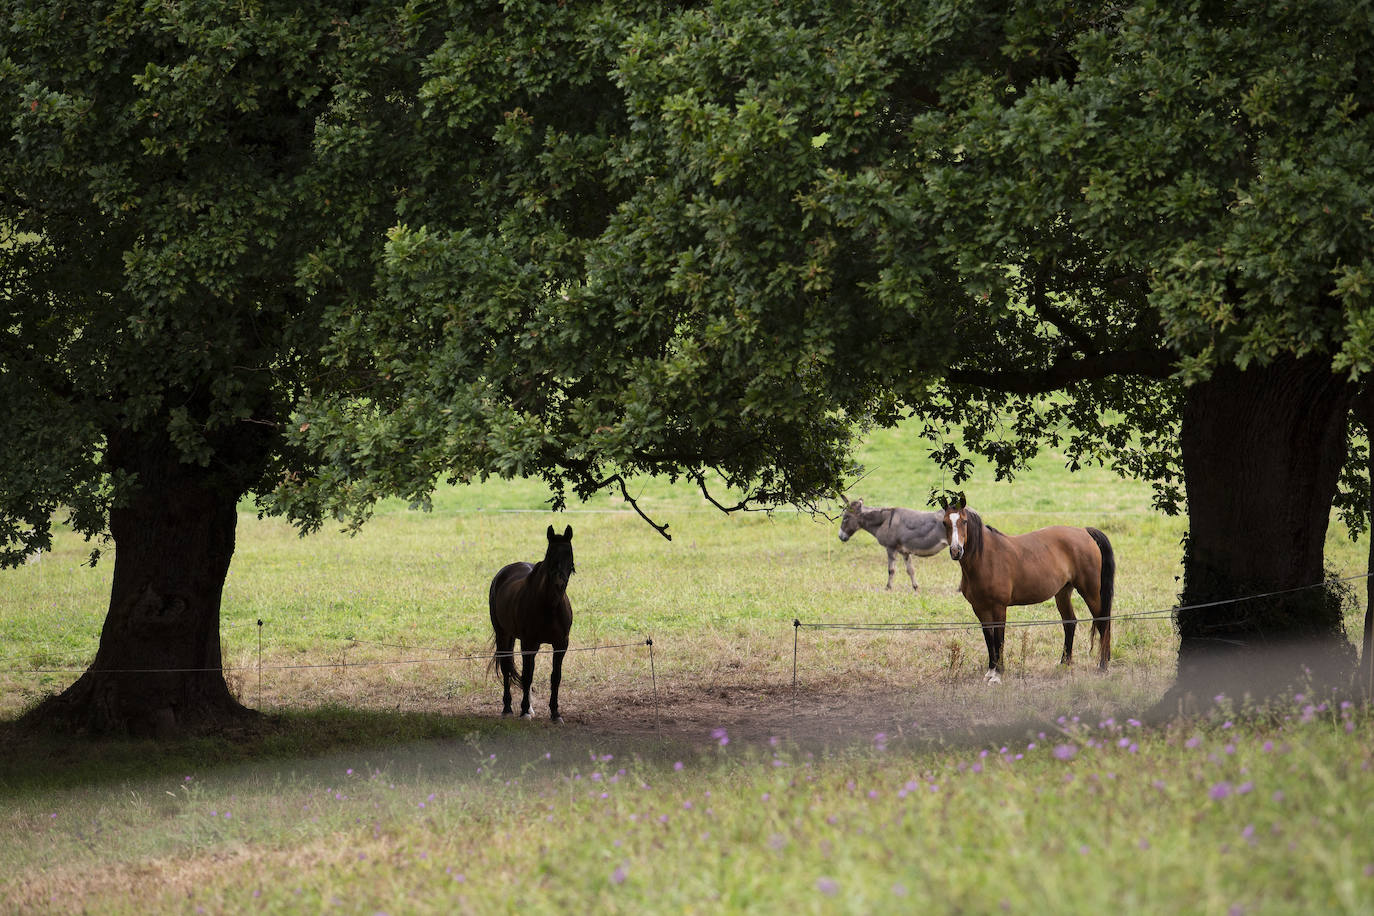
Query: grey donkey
point(908, 532)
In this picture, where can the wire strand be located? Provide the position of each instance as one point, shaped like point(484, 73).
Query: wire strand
point(1014, 624)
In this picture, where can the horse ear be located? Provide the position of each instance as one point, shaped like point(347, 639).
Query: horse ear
point(567, 532)
point(550, 535)
point(963, 501)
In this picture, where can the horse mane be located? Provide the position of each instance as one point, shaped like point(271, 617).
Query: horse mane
point(974, 525)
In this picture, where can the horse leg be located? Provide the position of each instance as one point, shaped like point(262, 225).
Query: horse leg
point(891, 566)
point(1063, 601)
point(992, 635)
point(555, 679)
point(999, 635)
point(527, 657)
point(505, 666)
point(911, 574)
point(1102, 629)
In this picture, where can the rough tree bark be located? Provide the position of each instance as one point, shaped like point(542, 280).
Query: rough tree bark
point(157, 671)
point(1364, 413)
point(1261, 451)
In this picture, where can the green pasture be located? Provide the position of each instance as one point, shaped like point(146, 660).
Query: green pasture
point(696, 779)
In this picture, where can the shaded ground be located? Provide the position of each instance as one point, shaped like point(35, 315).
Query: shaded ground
point(611, 706)
point(831, 718)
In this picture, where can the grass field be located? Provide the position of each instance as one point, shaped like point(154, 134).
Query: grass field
point(695, 779)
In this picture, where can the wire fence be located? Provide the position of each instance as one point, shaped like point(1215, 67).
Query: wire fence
point(797, 626)
point(946, 626)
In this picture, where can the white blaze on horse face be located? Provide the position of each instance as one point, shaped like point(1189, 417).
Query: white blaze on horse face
point(956, 541)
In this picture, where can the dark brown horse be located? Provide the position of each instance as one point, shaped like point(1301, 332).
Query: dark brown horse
point(529, 602)
point(1000, 570)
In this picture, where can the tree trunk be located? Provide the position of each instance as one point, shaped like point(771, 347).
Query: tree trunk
point(157, 671)
point(1262, 450)
point(1364, 412)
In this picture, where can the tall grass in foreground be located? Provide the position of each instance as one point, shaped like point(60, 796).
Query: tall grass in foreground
point(1226, 816)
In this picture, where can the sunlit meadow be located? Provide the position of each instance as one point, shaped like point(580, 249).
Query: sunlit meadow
point(696, 779)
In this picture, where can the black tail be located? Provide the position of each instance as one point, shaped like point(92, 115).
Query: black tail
point(1103, 625)
point(494, 665)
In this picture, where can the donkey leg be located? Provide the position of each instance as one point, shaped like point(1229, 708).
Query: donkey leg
point(1063, 601)
point(911, 574)
point(527, 657)
point(891, 567)
point(555, 679)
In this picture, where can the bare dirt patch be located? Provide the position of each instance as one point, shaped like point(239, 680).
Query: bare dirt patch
point(829, 713)
point(833, 718)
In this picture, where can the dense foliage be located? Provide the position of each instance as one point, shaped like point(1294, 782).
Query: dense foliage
point(174, 215)
point(718, 237)
point(627, 238)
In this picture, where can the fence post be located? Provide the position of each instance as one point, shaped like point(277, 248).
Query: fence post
point(796, 628)
point(259, 664)
point(653, 677)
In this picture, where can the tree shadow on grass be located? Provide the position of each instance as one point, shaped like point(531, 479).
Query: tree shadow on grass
point(684, 723)
point(35, 762)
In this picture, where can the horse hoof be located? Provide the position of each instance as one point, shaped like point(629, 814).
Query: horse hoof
point(557, 720)
point(525, 715)
point(507, 712)
point(992, 677)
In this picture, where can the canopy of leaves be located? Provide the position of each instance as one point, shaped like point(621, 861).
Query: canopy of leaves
point(176, 208)
point(716, 238)
point(584, 241)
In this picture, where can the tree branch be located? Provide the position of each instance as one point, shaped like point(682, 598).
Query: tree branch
point(701, 482)
point(1151, 363)
point(1061, 319)
point(624, 491)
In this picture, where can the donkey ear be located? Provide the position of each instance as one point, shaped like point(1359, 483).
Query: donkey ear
point(550, 535)
point(567, 532)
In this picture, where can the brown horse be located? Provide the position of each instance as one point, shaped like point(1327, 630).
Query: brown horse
point(1000, 570)
point(529, 602)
